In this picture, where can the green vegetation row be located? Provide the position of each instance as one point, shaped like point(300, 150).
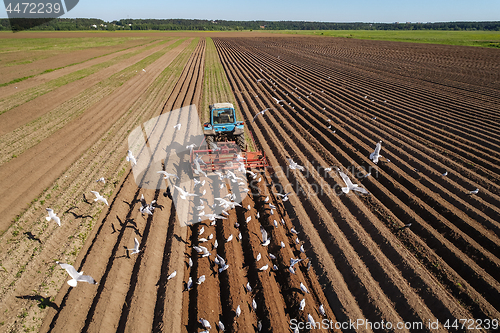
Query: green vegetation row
point(222, 25)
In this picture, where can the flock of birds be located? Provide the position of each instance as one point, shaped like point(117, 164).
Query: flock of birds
point(225, 203)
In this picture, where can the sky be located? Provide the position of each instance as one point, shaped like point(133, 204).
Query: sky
point(380, 11)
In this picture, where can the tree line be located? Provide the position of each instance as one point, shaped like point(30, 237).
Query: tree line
point(67, 24)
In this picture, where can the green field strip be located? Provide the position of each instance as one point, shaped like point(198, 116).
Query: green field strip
point(79, 178)
point(216, 87)
point(72, 64)
point(445, 37)
point(12, 101)
point(16, 142)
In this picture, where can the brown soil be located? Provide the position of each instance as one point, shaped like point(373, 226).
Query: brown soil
point(364, 264)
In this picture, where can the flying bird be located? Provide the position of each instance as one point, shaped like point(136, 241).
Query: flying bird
point(222, 264)
point(350, 186)
point(202, 250)
point(294, 165)
point(278, 100)
point(284, 197)
point(52, 216)
point(130, 158)
point(261, 112)
point(294, 261)
point(101, 180)
point(100, 197)
point(183, 194)
point(178, 126)
point(76, 276)
point(136, 247)
point(376, 153)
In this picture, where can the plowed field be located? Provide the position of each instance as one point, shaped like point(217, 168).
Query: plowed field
point(418, 253)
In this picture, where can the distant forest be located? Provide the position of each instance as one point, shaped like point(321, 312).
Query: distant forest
point(66, 24)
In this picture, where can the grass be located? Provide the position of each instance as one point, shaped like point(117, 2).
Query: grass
point(216, 87)
point(464, 38)
point(59, 44)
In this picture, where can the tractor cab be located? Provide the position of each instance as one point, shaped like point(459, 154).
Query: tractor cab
point(223, 126)
point(223, 116)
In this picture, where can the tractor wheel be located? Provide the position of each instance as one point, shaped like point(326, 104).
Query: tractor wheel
point(240, 141)
point(210, 140)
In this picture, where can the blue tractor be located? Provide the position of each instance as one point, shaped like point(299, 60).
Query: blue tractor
point(223, 126)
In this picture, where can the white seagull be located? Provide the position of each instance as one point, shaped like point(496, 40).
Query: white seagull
point(76, 276)
point(222, 264)
point(278, 100)
point(265, 239)
point(302, 304)
point(183, 194)
point(100, 197)
point(260, 112)
point(136, 247)
point(171, 276)
point(52, 216)
point(303, 288)
point(178, 126)
point(294, 165)
point(284, 197)
point(350, 186)
point(205, 323)
point(130, 158)
point(102, 180)
point(376, 154)
point(202, 250)
point(476, 191)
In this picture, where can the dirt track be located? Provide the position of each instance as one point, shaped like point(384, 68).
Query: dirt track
point(416, 98)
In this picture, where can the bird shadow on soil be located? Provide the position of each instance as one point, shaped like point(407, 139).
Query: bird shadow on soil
point(126, 225)
point(76, 216)
point(32, 237)
point(130, 204)
point(43, 302)
point(179, 239)
point(85, 199)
